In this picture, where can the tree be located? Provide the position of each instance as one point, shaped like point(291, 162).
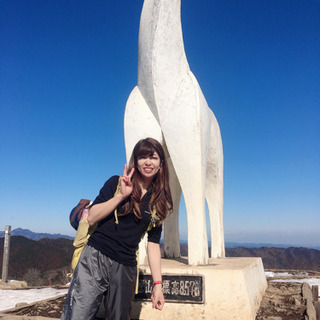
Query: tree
point(33, 277)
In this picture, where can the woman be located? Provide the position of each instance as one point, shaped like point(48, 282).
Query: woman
point(107, 265)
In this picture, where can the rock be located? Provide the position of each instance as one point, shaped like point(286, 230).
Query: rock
point(308, 297)
point(12, 284)
point(297, 302)
point(315, 292)
point(306, 292)
point(317, 308)
point(311, 311)
point(294, 300)
point(21, 304)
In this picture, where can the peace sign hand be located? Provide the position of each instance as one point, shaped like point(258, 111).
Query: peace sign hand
point(125, 182)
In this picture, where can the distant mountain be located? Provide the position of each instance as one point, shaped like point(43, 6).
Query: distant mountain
point(259, 245)
point(281, 258)
point(34, 235)
point(268, 245)
point(275, 258)
point(52, 257)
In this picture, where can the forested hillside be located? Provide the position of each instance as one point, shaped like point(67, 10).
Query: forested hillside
point(49, 259)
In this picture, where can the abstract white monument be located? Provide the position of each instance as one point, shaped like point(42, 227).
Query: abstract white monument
point(168, 105)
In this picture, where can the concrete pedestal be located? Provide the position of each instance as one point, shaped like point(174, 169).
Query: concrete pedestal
point(233, 289)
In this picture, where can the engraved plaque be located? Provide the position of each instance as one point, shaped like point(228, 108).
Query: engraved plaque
point(176, 288)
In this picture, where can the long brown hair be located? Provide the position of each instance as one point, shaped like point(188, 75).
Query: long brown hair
point(161, 195)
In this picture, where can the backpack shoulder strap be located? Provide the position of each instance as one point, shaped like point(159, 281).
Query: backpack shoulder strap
point(116, 192)
point(154, 219)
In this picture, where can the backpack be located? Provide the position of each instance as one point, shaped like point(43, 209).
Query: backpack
point(78, 220)
point(76, 212)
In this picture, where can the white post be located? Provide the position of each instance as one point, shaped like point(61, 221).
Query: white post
point(6, 250)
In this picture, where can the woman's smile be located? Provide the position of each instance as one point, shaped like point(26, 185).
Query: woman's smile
point(149, 166)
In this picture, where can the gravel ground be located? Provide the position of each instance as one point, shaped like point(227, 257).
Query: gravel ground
point(282, 301)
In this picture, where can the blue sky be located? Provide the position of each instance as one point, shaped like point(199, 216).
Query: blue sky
point(68, 67)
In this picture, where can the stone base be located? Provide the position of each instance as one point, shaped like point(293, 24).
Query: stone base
point(233, 289)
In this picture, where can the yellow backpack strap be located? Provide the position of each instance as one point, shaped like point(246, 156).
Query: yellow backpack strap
point(117, 191)
point(154, 216)
point(137, 281)
point(154, 219)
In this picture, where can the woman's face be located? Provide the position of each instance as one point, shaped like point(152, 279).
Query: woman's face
point(149, 166)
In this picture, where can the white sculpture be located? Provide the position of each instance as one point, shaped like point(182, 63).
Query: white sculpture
point(168, 105)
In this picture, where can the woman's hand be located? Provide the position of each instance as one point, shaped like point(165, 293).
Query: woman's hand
point(125, 182)
point(157, 297)
point(101, 210)
point(154, 256)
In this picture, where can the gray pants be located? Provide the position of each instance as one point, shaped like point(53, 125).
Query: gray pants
point(96, 276)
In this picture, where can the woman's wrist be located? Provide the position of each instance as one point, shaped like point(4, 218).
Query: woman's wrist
point(159, 282)
point(120, 197)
